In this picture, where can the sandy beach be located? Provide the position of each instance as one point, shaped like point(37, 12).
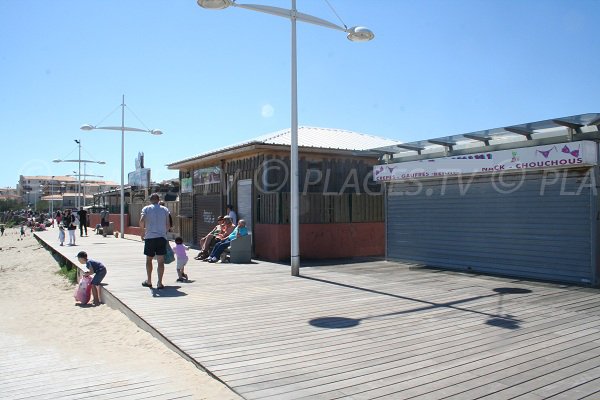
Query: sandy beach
point(39, 314)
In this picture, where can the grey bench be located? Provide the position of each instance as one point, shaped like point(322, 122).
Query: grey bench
point(239, 250)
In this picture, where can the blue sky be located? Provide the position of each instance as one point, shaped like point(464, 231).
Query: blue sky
point(210, 79)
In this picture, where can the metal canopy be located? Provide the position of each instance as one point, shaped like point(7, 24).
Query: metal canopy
point(519, 131)
point(482, 138)
point(528, 130)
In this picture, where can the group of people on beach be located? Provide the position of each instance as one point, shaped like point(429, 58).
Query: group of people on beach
point(69, 221)
point(156, 222)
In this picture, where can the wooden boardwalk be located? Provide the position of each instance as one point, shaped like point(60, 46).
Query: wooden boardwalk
point(34, 372)
point(372, 330)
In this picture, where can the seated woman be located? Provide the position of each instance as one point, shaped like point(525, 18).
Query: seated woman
point(226, 230)
point(208, 241)
point(220, 247)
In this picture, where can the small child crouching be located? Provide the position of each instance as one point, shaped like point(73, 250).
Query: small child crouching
point(95, 268)
point(180, 251)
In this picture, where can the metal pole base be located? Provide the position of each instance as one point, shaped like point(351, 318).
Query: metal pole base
point(296, 266)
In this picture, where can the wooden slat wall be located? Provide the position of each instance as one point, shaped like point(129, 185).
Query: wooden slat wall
point(185, 205)
point(345, 193)
point(173, 207)
point(315, 208)
point(367, 207)
point(135, 213)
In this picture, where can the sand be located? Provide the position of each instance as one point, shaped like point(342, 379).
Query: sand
point(38, 312)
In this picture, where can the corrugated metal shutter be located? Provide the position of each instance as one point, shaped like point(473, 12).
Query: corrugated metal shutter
point(207, 209)
point(516, 227)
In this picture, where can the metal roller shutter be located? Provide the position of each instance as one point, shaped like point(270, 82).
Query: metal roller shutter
point(514, 226)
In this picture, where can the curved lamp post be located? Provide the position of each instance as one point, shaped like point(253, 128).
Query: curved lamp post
point(355, 34)
point(79, 161)
point(84, 182)
point(123, 129)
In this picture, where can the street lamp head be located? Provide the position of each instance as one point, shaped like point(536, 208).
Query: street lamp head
point(156, 132)
point(360, 34)
point(56, 160)
point(87, 127)
point(214, 4)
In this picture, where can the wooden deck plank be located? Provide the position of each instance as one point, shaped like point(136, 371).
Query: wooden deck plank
point(588, 390)
point(387, 374)
point(418, 332)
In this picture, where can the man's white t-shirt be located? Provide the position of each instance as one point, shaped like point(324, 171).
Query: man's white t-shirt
point(156, 220)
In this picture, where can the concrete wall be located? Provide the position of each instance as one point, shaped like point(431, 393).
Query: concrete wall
point(319, 241)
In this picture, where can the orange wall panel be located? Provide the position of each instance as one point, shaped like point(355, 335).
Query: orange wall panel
point(320, 241)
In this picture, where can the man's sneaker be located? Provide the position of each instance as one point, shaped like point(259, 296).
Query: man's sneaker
point(184, 276)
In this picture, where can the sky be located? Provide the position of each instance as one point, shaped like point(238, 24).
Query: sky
point(209, 79)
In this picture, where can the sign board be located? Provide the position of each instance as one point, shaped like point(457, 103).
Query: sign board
point(186, 185)
point(141, 176)
point(206, 176)
point(563, 155)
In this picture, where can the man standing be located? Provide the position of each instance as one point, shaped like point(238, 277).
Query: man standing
point(82, 221)
point(155, 224)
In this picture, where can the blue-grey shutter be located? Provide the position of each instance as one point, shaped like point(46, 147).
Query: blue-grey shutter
point(516, 225)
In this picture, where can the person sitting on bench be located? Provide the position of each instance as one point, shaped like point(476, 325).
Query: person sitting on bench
point(208, 241)
point(220, 247)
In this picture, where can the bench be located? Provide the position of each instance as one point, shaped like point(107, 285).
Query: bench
point(107, 230)
point(239, 251)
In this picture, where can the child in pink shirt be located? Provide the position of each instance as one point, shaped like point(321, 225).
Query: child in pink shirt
point(182, 258)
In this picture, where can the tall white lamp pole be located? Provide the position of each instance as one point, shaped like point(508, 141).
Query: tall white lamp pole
point(52, 200)
point(122, 128)
point(355, 34)
point(79, 161)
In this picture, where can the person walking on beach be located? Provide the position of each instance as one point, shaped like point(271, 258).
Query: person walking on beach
point(69, 222)
point(155, 224)
point(95, 268)
point(83, 221)
point(61, 234)
point(22, 235)
point(58, 217)
point(2, 229)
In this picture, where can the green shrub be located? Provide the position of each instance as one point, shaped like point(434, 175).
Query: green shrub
point(69, 272)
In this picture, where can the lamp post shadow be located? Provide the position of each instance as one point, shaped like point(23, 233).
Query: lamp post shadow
point(497, 319)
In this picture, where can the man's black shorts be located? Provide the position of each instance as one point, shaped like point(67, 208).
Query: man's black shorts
point(155, 247)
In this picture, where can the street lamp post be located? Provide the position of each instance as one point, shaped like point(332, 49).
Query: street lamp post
point(36, 192)
point(122, 128)
point(355, 34)
point(84, 182)
point(79, 161)
point(79, 177)
point(52, 200)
